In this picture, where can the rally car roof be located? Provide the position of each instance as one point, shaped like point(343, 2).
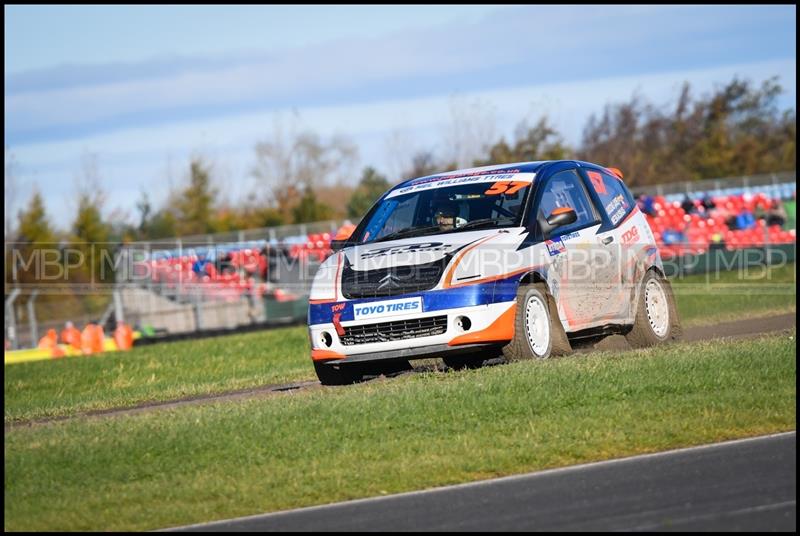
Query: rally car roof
point(519, 167)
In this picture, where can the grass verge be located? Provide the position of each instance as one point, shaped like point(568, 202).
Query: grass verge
point(207, 366)
point(203, 463)
point(713, 298)
point(157, 372)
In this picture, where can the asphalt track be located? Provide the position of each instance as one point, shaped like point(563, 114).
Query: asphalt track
point(738, 329)
point(743, 485)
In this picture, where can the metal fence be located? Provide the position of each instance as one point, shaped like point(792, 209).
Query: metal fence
point(781, 185)
point(252, 238)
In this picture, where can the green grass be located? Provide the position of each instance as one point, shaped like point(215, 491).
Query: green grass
point(157, 372)
point(200, 463)
point(174, 370)
point(712, 298)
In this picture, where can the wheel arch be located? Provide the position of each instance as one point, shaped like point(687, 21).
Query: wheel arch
point(534, 276)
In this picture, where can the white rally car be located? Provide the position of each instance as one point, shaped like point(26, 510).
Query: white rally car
point(525, 259)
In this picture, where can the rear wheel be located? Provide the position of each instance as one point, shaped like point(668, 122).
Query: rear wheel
point(538, 332)
point(656, 319)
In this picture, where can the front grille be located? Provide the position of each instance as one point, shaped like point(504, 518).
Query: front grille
point(403, 280)
point(394, 331)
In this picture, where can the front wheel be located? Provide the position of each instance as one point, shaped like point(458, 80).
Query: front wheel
point(538, 332)
point(656, 319)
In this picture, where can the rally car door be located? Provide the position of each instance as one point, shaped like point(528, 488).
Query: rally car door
point(572, 277)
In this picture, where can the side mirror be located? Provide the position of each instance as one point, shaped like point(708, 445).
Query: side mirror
point(561, 216)
point(336, 245)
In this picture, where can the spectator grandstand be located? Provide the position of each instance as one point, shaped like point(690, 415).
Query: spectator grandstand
point(733, 218)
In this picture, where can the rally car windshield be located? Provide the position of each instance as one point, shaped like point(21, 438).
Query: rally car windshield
point(472, 206)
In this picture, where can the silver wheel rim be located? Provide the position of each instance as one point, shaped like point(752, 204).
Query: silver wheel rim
point(655, 303)
point(537, 325)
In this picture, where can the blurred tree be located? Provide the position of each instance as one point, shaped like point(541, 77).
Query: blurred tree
point(337, 196)
point(90, 242)
point(163, 224)
point(145, 209)
point(469, 132)
point(36, 260)
point(371, 186)
point(90, 236)
point(34, 226)
point(423, 163)
point(262, 216)
point(310, 209)
point(499, 153)
point(398, 149)
point(194, 205)
point(290, 164)
point(736, 130)
point(10, 192)
point(539, 142)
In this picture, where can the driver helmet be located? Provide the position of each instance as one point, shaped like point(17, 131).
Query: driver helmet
point(445, 214)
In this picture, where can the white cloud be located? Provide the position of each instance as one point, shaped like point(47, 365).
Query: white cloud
point(522, 44)
point(136, 157)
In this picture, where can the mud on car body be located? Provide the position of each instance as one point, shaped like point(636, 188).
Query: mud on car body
point(524, 260)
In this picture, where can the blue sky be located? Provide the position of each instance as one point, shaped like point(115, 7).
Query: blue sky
point(143, 88)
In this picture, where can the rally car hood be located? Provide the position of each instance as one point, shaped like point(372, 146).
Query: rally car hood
point(417, 250)
point(468, 258)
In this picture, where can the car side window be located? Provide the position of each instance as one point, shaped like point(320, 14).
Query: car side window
point(565, 189)
point(614, 197)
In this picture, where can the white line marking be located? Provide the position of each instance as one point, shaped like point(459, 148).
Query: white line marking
point(716, 515)
point(492, 481)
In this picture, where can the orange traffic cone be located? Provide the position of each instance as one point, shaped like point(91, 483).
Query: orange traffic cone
point(49, 341)
point(123, 336)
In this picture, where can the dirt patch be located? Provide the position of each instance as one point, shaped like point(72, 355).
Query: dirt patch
point(736, 329)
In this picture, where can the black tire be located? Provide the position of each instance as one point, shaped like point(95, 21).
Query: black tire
point(343, 374)
point(643, 334)
point(520, 347)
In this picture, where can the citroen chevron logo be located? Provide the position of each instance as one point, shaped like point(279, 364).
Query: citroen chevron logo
point(389, 281)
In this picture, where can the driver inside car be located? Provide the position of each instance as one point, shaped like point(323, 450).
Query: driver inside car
point(446, 216)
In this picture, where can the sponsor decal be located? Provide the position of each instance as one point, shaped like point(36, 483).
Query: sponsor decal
point(597, 181)
point(491, 171)
point(407, 248)
point(555, 246)
point(618, 215)
point(338, 308)
point(569, 236)
point(443, 182)
point(366, 311)
point(615, 203)
point(337, 323)
point(631, 235)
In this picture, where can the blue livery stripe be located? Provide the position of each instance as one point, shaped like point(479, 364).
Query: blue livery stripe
point(502, 290)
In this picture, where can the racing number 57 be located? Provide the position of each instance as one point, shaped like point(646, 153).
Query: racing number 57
point(506, 187)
